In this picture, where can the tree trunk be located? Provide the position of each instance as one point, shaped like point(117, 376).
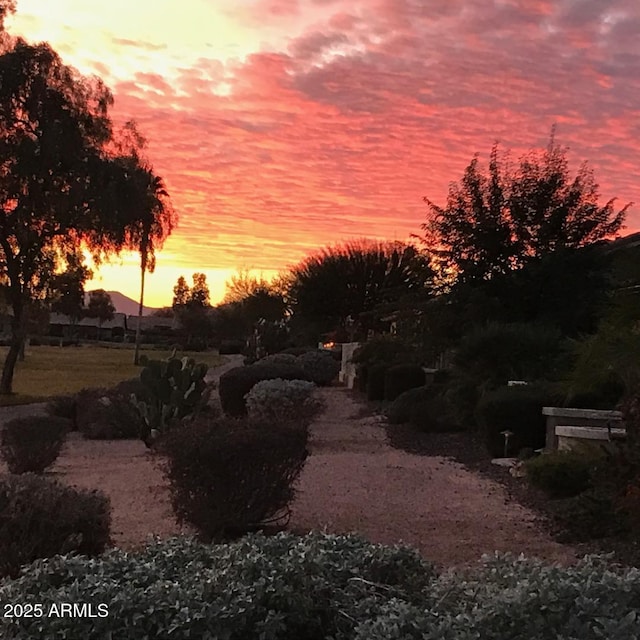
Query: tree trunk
point(17, 340)
point(143, 269)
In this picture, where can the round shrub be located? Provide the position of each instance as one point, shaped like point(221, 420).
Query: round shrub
point(282, 401)
point(518, 410)
point(40, 518)
point(425, 408)
point(375, 381)
point(321, 367)
point(402, 377)
point(31, 444)
point(233, 385)
point(274, 588)
point(229, 476)
point(63, 407)
point(279, 358)
point(560, 474)
point(318, 586)
point(109, 414)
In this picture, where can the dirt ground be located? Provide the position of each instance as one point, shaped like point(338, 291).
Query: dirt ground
point(353, 481)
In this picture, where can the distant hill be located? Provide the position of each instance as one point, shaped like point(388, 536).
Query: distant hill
point(124, 304)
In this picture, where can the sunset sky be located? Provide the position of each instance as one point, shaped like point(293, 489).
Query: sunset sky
point(281, 126)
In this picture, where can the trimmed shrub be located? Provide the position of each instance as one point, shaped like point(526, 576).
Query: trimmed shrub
point(425, 408)
point(402, 377)
point(109, 414)
point(40, 518)
point(231, 347)
point(560, 474)
point(233, 385)
point(31, 444)
point(63, 407)
point(228, 476)
point(296, 351)
point(282, 401)
point(321, 586)
point(519, 411)
point(321, 367)
point(279, 358)
point(375, 382)
point(488, 357)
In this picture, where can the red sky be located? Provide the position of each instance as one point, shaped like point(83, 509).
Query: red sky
point(281, 126)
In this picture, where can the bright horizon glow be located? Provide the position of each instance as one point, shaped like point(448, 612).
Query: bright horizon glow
point(284, 126)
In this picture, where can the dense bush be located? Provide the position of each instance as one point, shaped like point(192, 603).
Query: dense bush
point(605, 395)
point(231, 476)
point(279, 358)
point(560, 474)
point(517, 410)
point(402, 377)
point(489, 357)
point(375, 381)
point(321, 367)
point(108, 414)
point(233, 385)
point(296, 351)
point(40, 518)
point(426, 408)
point(63, 407)
point(282, 401)
point(31, 444)
point(322, 586)
point(231, 347)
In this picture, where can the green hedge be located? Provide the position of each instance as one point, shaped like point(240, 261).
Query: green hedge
point(402, 377)
point(318, 587)
point(518, 410)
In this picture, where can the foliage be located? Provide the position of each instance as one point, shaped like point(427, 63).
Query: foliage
point(560, 474)
point(192, 308)
point(282, 401)
point(31, 444)
point(280, 358)
point(67, 288)
point(375, 375)
point(228, 477)
point(496, 222)
point(100, 306)
point(426, 408)
point(489, 357)
point(174, 389)
point(321, 367)
point(42, 518)
point(58, 187)
point(321, 586)
point(402, 377)
point(234, 384)
point(231, 347)
point(351, 281)
point(107, 414)
point(517, 410)
point(63, 407)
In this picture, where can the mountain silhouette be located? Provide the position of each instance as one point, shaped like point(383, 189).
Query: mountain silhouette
point(124, 304)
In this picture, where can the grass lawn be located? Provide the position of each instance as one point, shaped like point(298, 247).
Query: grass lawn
point(53, 371)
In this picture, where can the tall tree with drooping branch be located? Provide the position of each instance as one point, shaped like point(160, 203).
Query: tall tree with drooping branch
point(54, 176)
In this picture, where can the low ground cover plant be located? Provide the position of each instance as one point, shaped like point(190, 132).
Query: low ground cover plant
point(322, 586)
point(228, 476)
point(283, 401)
point(402, 377)
point(40, 518)
point(33, 443)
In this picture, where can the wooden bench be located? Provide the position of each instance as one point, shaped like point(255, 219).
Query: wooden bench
point(570, 417)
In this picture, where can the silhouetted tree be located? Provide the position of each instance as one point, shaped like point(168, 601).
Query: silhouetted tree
point(100, 306)
point(67, 289)
point(181, 293)
point(497, 222)
point(353, 280)
point(192, 308)
point(54, 183)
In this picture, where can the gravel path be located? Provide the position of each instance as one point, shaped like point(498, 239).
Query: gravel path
point(354, 481)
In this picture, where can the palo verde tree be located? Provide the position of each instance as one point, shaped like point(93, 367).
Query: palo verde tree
point(54, 125)
point(353, 280)
point(497, 221)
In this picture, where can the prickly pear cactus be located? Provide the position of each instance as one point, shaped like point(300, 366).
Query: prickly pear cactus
point(175, 389)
